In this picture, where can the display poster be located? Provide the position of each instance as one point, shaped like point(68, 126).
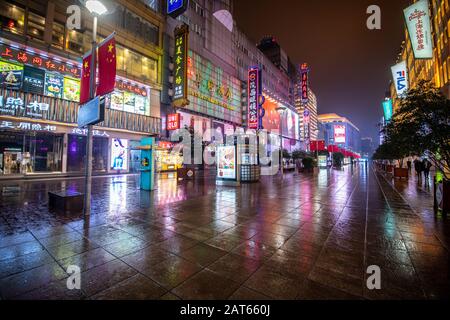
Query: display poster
point(226, 162)
point(33, 80)
point(54, 85)
point(71, 89)
point(10, 75)
point(119, 154)
point(323, 162)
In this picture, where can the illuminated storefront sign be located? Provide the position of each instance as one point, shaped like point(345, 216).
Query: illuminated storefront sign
point(83, 132)
point(176, 7)
point(253, 98)
point(400, 75)
point(119, 154)
point(180, 66)
point(226, 162)
point(419, 28)
point(339, 134)
point(304, 74)
point(40, 61)
point(388, 109)
point(16, 107)
point(173, 121)
point(27, 126)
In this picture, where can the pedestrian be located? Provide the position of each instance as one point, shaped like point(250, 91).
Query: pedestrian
point(408, 163)
point(426, 168)
point(418, 168)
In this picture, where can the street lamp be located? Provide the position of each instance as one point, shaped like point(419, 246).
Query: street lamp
point(281, 109)
point(96, 8)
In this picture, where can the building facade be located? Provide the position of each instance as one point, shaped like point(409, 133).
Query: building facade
point(219, 58)
point(436, 69)
point(40, 68)
point(339, 131)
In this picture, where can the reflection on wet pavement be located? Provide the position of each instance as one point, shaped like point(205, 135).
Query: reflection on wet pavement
point(302, 237)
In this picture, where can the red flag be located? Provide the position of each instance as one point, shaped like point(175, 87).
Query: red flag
point(106, 66)
point(85, 77)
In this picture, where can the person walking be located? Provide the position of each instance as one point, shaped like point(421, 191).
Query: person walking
point(409, 163)
point(418, 168)
point(426, 168)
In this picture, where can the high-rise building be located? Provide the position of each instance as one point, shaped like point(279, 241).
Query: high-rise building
point(39, 96)
point(307, 114)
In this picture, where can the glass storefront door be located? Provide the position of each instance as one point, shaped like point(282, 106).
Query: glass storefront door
point(76, 153)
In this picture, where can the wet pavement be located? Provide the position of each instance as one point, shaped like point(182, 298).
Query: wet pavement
point(302, 237)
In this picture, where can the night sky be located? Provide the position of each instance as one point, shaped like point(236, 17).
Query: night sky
point(350, 65)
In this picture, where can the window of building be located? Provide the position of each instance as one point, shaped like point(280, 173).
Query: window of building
point(12, 18)
point(153, 4)
point(58, 32)
point(36, 26)
point(75, 42)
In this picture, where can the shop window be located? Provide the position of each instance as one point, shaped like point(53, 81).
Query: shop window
point(76, 154)
point(36, 26)
point(58, 35)
point(12, 18)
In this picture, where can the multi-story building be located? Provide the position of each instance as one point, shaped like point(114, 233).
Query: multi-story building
point(219, 58)
point(307, 114)
point(40, 68)
point(341, 132)
point(436, 69)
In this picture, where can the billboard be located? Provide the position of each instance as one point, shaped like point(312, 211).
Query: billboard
point(119, 154)
point(388, 109)
point(226, 162)
point(419, 28)
point(339, 134)
point(400, 75)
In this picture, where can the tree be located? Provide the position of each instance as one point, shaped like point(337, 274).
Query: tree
point(421, 125)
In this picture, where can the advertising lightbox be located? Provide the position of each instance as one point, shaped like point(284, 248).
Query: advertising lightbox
point(226, 162)
point(417, 19)
point(119, 154)
point(387, 109)
point(339, 134)
point(400, 76)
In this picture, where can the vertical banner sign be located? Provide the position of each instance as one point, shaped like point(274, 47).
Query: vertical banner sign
point(400, 75)
point(388, 109)
point(304, 74)
point(180, 66)
point(419, 28)
point(173, 121)
point(253, 98)
point(85, 76)
point(106, 66)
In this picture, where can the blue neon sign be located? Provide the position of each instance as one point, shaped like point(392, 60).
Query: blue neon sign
point(176, 7)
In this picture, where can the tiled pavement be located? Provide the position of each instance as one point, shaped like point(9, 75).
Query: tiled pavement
point(303, 237)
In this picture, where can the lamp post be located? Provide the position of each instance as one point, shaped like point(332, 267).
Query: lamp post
point(281, 109)
point(96, 8)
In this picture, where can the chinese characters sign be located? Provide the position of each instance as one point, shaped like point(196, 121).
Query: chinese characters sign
point(253, 98)
point(17, 107)
point(173, 121)
point(180, 66)
point(27, 126)
point(304, 82)
point(419, 29)
point(400, 76)
point(33, 59)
